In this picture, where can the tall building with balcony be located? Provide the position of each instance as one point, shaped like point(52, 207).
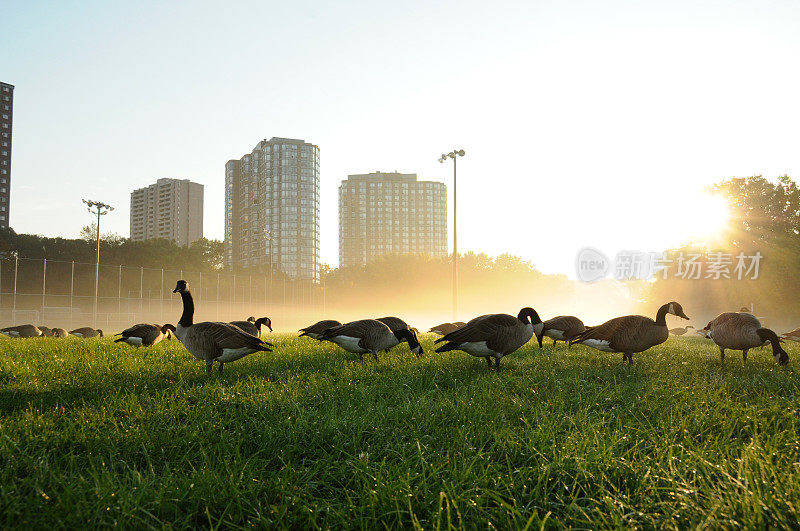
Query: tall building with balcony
point(390, 213)
point(6, 116)
point(170, 209)
point(272, 208)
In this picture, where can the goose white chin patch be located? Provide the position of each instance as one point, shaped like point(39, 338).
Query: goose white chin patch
point(599, 344)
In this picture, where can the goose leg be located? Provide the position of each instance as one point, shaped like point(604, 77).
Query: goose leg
point(220, 366)
point(360, 356)
point(630, 358)
point(209, 365)
point(722, 355)
point(375, 355)
point(744, 355)
point(497, 362)
point(489, 361)
point(554, 342)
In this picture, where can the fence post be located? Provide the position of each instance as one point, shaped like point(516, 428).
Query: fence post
point(14, 307)
point(141, 289)
point(119, 294)
point(71, 290)
point(44, 286)
point(161, 299)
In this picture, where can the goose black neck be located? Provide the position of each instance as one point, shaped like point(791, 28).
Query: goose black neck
point(188, 309)
point(661, 316)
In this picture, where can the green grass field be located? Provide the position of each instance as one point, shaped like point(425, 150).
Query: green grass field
point(97, 434)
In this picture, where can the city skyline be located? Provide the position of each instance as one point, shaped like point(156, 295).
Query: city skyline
point(550, 94)
point(169, 208)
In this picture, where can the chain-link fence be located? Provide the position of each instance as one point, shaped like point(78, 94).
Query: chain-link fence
point(62, 294)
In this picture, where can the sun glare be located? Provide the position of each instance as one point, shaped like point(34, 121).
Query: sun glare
point(711, 215)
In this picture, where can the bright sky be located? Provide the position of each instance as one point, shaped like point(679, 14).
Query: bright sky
point(584, 123)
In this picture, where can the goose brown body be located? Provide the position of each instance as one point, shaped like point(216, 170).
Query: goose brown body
point(492, 336)
point(86, 331)
point(679, 331)
point(631, 333)
point(253, 326)
point(60, 332)
point(794, 335)
point(561, 328)
point(743, 331)
point(315, 331)
point(213, 342)
point(370, 336)
point(446, 328)
point(144, 335)
point(26, 330)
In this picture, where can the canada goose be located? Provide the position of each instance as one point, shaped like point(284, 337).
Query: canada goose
point(561, 328)
point(679, 331)
point(394, 323)
point(370, 335)
point(492, 336)
point(87, 332)
point(631, 333)
point(315, 331)
point(46, 332)
point(60, 332)
point(210, 342)
point(26, 330)
point(794, 335)
point(253, 327)
point(743, 331)
point(445, 328)
point(144, 335)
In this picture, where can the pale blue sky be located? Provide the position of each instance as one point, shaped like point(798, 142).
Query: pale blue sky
point(585, 123)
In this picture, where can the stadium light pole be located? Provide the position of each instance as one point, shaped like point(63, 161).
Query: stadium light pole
point(454, 155)
point(99, 209)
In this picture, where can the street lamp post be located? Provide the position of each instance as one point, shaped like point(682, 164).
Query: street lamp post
point(99, 209)
point(454, 155)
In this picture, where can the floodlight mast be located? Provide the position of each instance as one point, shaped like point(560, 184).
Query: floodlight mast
point(454, 155)
point(99, 209)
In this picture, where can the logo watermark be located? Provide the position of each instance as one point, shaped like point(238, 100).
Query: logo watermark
point(592, 265)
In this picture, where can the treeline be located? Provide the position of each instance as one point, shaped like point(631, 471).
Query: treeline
point(765, 219)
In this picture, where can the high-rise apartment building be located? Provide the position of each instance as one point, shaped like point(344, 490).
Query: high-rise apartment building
point(390, 213)
point(6, 115)
point(170, 209)
point(272, 208)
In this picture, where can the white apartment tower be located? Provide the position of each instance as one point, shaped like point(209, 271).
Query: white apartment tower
point(170, 209)
point(272, 208)
point(390, 213)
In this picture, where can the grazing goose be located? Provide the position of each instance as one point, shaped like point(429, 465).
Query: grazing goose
point(60, 332)
point(631, 333)
point(315, 331)
point(679, 331)
point(144, 335)
point(394, 323)
point(446, 328)
point(794, 335)
point(370, 335)
point(27, 330)
point(743, 331)
point(492, 336)
point(561, 328)
point(210, 342)
point(46, 332)
point(87, 332)
point(253, 326)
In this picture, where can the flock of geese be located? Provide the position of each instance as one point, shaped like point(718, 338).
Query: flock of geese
point(490, 336)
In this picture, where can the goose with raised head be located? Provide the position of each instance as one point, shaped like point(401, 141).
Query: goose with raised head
point(87, 331)
point(209, 341)
point(679, 331)
point(144, 335)
point(315, 331)
point(632, 333)
point(492, 336)
point(253, 326)
point(26, 330)
point(561, 328)
point(370, 336)
point(743, 331)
